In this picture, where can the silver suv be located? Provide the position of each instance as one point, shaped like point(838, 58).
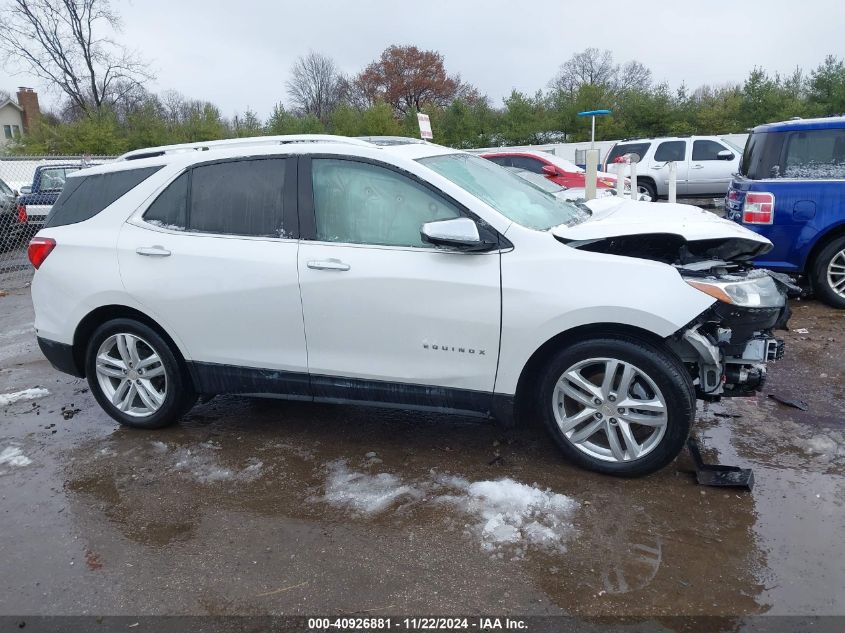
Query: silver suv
point(705, 164)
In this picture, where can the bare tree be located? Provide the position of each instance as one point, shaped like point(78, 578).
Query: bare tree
point(633, 76)
point(593, 67)
point(67, 44)
point(590, 67)
point(315, 85)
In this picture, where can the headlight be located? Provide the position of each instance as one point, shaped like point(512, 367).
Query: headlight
point(759, 292)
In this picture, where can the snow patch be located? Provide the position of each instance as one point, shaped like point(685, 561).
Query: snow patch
point(13, 456)
point(363, 493)
point(201, 463)
point(504, 514)
point(26, 394)
point(507, 512)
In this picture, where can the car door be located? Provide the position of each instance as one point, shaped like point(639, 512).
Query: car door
point(388, 317)
point(710, 175)
point(213, 260)
point(658, 168)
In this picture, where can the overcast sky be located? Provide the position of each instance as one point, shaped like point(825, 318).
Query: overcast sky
point(238, 54)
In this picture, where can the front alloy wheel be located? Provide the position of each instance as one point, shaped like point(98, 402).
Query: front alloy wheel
point(616, 404)
point(609, 409)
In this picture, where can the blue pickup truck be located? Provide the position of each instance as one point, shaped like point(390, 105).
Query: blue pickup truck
point(791, 188)
point(35, 201)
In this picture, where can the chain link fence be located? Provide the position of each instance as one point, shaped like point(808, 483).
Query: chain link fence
point(29, 185)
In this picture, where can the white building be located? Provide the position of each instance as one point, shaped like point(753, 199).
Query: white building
point(17, 117)
point(11, 122)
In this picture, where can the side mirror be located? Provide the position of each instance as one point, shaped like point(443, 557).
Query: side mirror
point(458, 233)
point(725, 154)
point(15, 193)
point(549, 170)
point(26, 190)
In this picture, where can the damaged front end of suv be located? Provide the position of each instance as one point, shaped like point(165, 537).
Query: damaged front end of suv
point(726, 347)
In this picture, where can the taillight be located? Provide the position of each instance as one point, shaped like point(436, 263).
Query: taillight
point(733, 195)
point(759, 208)
point(22, 217)
point(38, 250)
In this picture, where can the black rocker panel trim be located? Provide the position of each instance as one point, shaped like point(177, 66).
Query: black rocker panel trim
point(214, 378)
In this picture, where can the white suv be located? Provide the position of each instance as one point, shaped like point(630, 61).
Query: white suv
point(411, 275)
point(704, 165)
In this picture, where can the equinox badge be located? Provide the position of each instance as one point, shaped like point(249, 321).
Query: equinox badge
point(460, 350)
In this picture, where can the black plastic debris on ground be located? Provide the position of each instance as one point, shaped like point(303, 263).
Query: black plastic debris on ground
point(795, 403)
point(718, 474)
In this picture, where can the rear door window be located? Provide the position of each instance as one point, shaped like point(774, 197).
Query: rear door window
point(815, 155)
point(620, 149)
point(242, 197)
point(671, 150)
point(83, 197)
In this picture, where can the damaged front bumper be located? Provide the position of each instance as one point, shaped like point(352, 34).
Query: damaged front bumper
point(727, 347)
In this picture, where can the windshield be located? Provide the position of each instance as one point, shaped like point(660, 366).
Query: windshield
point(733, 146)
point(506, 192)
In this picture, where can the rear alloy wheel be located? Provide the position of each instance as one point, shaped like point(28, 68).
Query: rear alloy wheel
point(645, 187)
point(135, 376)
point(618, 406)
point(829, 274)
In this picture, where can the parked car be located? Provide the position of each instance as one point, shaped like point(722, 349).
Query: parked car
point(791, 189)
point(12, 226)
point(704, 164)
point(558, 191)
point(331, 269)
point(558, 170)
point(36, 199)
point(565, 193)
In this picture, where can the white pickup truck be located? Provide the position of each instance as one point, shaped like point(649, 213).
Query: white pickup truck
point(705, 164)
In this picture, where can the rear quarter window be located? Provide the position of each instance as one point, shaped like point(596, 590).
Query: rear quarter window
point(83, 197)
point(620, 149)
point(815, 155)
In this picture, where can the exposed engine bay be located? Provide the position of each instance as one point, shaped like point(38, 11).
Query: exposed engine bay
point(725, 348)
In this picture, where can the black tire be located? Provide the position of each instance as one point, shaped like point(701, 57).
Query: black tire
point(179, 395)
point(662, 367)
point(649, 187)
point(822, 287)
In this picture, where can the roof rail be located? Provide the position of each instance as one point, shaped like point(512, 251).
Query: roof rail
point(253, 141)
point(392, 140)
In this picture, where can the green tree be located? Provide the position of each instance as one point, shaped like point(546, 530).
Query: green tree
point(378, 120)
point(827, 87)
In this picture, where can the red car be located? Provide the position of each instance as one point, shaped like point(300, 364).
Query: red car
point(555, 168)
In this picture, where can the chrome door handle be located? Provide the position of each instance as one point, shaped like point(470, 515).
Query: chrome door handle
point(152, 251)
point(697, 167)
point(328, 264)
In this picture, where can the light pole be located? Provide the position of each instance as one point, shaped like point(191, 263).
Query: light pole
point(594, 114)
